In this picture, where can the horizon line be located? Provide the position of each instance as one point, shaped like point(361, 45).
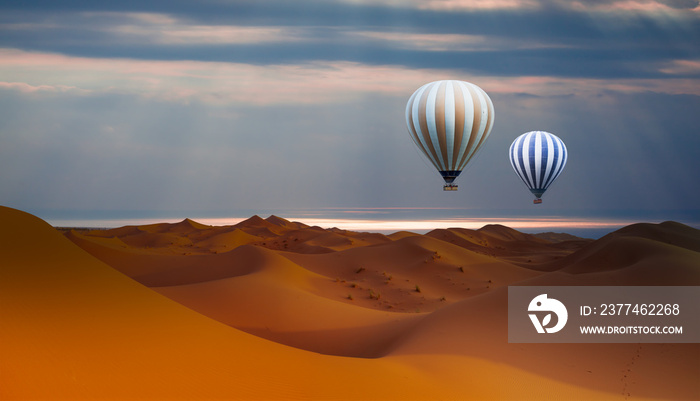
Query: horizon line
point(379, 225)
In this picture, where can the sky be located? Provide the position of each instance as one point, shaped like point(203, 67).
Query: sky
point(217, 106)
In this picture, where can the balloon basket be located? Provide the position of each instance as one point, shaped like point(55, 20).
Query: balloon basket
point(449, 187)
point(537, 201)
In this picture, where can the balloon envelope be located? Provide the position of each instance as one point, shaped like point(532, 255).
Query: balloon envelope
point(449, 121)
point(538, 158)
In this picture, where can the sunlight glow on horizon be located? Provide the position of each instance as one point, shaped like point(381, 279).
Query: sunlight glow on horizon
point(469, 223)
point(375, 225)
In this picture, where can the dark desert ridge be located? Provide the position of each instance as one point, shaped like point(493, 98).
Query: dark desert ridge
point(273, 309)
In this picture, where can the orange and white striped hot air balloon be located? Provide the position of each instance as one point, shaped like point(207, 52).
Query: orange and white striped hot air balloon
point(449, 121)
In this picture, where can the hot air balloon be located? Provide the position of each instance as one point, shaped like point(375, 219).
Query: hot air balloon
point(449, 121)
point(538, 158)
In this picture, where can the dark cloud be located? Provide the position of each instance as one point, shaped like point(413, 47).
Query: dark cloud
point(551, 42)
point(616, 58)
point(680, 4)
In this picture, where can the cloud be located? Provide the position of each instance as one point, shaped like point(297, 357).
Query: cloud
point(549, 40)
point(451, 5)
point(140, 28)
point(439, 42)
point(213, 82)
point(221, 83)
point(27, 88)
point(682, 67)
point(681, 4)
point(659, 8)
point(527, 5)
point(429, 42)
point(165, 29)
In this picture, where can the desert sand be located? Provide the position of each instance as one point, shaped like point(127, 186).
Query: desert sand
point(273, 309)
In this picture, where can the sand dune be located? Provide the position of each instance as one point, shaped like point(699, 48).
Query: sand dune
point(640, 254)
point(509, 245)
point(478, 327)
point(273, 309)
point(74, 328)
point(227, 241)
point(279, 303)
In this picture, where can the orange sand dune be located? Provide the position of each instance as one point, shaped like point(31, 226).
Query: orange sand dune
point(227, 241)
point(478, 327)
point(272, 309)
point(73, 328)
point(271, 227)
point(640, 254)
point(412, 274)
point(278, 303)
point(158, 269)
point(508, 244)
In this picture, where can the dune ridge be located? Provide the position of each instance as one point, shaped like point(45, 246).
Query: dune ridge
point(273, 309)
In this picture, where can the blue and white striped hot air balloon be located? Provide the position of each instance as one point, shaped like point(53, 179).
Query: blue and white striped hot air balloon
point(538, 158)
point(449, 121)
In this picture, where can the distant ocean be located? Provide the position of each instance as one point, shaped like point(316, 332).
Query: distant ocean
point(387, 220)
